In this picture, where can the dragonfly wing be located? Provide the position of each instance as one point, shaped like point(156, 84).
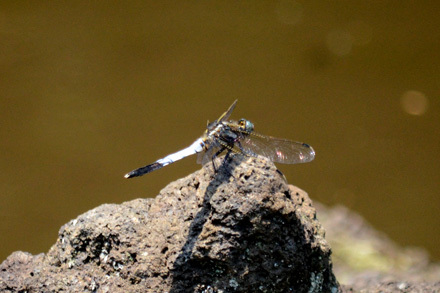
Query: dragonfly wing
point(277, 150)
point(206, 157)
point(200, 157)
point(228, 112)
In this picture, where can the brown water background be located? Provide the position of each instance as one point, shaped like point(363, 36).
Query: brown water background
point(90, 90)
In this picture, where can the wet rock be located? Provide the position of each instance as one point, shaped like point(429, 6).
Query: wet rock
point(242, 229)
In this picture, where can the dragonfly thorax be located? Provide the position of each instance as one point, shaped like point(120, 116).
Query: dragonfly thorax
point(238, 137)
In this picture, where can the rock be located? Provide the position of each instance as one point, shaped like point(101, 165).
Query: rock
point(242, 229)
point(366, 260)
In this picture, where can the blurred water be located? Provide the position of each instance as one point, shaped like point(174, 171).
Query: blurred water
point(91, 90)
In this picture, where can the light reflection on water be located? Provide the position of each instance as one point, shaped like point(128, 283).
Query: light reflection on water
point(414, 102)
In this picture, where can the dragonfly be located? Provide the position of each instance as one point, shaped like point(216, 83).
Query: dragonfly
point(225, 137)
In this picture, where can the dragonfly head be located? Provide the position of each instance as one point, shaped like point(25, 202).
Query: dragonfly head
point(246, 125)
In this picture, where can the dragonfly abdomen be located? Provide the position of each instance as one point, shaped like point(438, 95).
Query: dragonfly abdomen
point(195, 147)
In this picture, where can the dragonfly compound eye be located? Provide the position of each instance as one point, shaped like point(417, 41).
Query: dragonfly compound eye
point(221, 135)
point(248, 126)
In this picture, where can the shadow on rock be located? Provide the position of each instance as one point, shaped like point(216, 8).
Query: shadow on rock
point(184, 266)
point(242, 229)
point(254, 234)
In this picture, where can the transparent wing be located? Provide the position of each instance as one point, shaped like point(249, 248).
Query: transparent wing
point(228, 112)
point(206, 156)
point(277, 150)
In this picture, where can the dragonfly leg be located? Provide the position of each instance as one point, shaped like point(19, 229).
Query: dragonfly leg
point(221, 150)
point(282, 175)
point(226, 157)
point(240, 147)
point(224, 163)
point(244, 152)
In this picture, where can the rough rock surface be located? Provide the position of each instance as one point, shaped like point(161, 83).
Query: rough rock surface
point(365, 260)
point(242, 229)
